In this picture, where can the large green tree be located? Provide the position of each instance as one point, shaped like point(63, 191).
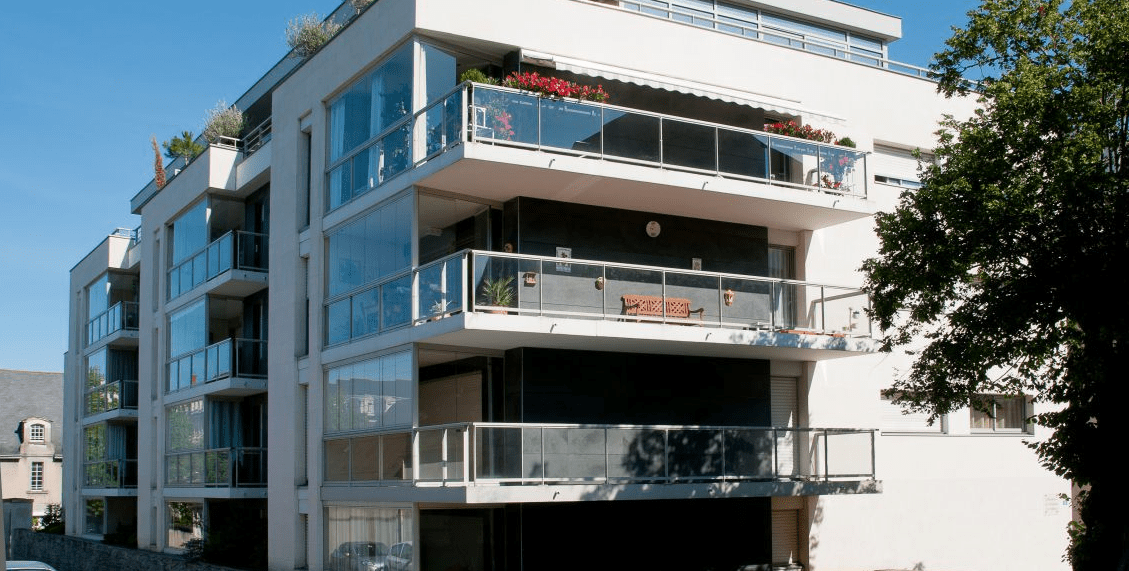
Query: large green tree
point(1007, 269)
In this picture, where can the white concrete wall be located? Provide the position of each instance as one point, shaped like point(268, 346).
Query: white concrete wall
point(112, 253)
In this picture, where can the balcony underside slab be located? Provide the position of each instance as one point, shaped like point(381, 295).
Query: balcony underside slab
point(237, 283)
point(216, 493)
point(501, 494)
point(119, 338)
point(122, 415)
point(230, 387)
point(501, 332)
point(109, 492)
point(501, 173)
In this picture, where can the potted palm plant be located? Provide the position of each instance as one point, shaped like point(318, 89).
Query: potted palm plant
point(498, 292)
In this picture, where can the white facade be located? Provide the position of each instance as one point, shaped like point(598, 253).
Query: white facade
point(410, 426)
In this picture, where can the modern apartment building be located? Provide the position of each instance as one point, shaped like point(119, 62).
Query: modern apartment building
point(408, 322)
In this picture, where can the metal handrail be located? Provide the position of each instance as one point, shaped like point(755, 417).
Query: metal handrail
point(760, 34)
point(111, 473)
point(739, 453)
point(111, 396)
point(467, 297)
point(226, 258)
point(258, 136)
point(217, 467)
point(122, 316)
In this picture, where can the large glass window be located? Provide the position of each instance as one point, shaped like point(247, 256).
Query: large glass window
point(188, 329)
point(363, 253)
point(377, 245)
point(185, 426)
point(98, 296)
point(189, 233)
point(366, 109)
point(95, 516)
point(354, 533)
point(369, 394)
point(186, 522)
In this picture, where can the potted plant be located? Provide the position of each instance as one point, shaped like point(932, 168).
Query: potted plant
point(307, 34)
point(439, 310)
point(497, 292)
point(223, 123)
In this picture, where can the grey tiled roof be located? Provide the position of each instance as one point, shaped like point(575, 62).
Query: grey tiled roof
point(29, 393)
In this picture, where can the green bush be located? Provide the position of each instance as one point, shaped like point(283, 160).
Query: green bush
point(223, 121)
point(307, 34)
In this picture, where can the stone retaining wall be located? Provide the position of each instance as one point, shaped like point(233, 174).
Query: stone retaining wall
point(68, 553)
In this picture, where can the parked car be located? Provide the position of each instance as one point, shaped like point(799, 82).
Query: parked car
point(28, 566)
point(400, 557)
point(358, 556)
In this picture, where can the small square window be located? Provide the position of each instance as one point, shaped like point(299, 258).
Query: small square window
point(35, 433)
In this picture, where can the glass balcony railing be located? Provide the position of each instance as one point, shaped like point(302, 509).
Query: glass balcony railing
point(245, 358)
point(240, 467)
point(234, 250)
point(110, 474)
point(111, 396)
point(516, 284)
point(509, 453)
point(504, 116)
point(594, 130)
point(121, 316)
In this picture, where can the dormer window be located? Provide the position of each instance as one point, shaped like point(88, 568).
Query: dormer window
point(35, 433)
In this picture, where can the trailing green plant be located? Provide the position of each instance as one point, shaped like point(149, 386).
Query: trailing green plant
point(223, 121)
point(183, 146)
point(846, 142)
point(477, 76)
point(497, 292)
point(306, 34)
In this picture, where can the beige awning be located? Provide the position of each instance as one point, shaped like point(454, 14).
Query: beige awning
point(593, 69)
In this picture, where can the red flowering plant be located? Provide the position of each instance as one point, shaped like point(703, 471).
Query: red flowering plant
point(791, 129)
point(554, 87)
point(834, 164)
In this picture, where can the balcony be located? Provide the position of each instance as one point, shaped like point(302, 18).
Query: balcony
point(490, 141)
point(503, 116)
point(519, 462)
point(238, 467)
point(110, 474)
point(233, 367)
point(554, 302)
point(119, 323)
point(235, 264)
point(116, 396)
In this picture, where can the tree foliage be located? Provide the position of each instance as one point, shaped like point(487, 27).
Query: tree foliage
point(1008, 265)
point(183, 146)
point(306, 34)
point(1009, 257)
point(223, 122)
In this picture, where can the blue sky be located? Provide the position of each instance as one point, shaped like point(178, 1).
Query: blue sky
point(85, 84)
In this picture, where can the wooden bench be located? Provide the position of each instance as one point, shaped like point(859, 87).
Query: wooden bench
point(652, 306)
